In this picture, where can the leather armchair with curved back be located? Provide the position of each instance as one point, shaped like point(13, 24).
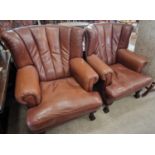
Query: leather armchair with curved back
point(52, 79)
point(119, 69)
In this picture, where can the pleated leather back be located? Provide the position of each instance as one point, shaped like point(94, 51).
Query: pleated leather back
point(106, 38)
point(49, 48)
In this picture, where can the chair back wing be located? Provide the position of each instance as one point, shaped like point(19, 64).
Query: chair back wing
point(104, 39)
point(49, 48)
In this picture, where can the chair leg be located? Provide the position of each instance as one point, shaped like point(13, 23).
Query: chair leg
point(106, 109)
point(104, 97)
point(149, 89)
point(100, 87)
point(92, 116)
point(137, 94)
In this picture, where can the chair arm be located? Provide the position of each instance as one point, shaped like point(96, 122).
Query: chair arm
point(131, 60)
point(104, 71)
point(27, 90)
point(83, 73)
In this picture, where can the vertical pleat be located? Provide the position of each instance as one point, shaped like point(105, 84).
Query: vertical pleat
point(65, 48)
point(101, 43)
point(125, 36)
point(17, 48)
point(49, 48)
point(117, 28)
point(54, 45)
point(108, 42)
point(40, 38)
point(110, 38)
point(32, 49)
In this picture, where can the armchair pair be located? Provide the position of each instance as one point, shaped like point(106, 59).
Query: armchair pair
point(119, 69)
point(57, 84)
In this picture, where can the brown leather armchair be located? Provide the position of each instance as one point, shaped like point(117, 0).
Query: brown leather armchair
point(119, 69)
point(53, 81)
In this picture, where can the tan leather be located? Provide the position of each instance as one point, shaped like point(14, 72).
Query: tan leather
point(104, 39)
point(125, 82)
point(103, 70)
point(27, 89)
point(62, 100)
point(131, 60)
point(83, 73)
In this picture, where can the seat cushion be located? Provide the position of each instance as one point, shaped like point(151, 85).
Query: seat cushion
point(125, 82)
point(62, 100)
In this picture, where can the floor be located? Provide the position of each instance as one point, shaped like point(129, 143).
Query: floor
point(128, 115)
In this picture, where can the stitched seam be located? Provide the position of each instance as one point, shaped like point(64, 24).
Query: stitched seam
point(112, 46)
point(99, 43)
point(68, 55)
point(118, 43)
point(50, 52)
point(24, 45)
point(38, 52)
point(61, 53)
point(105, 45)
point(100, 46)
point(120, 37)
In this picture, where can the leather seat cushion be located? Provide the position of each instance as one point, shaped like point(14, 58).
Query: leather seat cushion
point(125, 82)
point(62, 100)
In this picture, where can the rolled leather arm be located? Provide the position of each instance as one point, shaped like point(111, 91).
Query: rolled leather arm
point(131, 60)
point(103, 70)
point(27, 90)
point(83, 73)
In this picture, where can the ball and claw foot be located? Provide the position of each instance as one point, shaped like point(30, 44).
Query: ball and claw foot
point(106, 109)
point(92, 116)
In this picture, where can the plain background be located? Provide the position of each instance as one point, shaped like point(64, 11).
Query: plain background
point(77, 144)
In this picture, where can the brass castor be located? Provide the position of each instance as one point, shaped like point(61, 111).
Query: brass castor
point(92, 116)
point(106, 109)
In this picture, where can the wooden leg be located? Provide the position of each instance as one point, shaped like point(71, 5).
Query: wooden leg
point(101, 89)
point(137, 94)
point(106, 109)
point(149, 89)
point(92, 116)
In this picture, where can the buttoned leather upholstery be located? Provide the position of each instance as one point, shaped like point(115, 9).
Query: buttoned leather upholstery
point(48, 79)
point(120, 69)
